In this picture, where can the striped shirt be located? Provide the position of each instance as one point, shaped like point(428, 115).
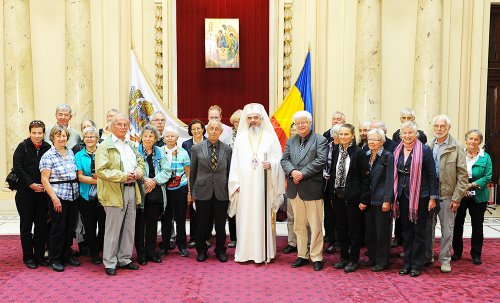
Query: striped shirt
point(61, 169)
point(178, 162)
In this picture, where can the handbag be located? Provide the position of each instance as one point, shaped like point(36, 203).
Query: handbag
point(93, 191)
point(174, 181)
point(12, 180)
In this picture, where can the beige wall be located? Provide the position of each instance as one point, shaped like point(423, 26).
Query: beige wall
point(327, 27)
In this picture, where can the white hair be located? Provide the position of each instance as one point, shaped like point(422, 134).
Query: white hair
point(365, 124)
point(170, 129)
point(301, 114)
point(407, 112)
point(377, 131)
point(410, 124)
point(442, 117)
point(334, 131)
point(63, 108)
point(379, 124)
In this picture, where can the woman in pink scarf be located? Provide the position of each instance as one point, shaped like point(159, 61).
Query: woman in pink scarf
point(415, 190)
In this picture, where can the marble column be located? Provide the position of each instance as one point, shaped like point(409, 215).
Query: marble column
point(367, 74)
point(428, 61)
point(79, 60)
point(18, 73)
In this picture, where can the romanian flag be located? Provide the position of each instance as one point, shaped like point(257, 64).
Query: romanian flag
point(299, 98)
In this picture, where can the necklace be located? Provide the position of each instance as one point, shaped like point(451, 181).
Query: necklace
point(90, 152)
point(254, 162)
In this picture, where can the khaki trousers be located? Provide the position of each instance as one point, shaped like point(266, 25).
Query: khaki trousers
point(308, 213)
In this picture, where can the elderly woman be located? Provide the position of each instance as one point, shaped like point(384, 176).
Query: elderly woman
point(479, 168)
point(59, 179)
point(414, 192)
point(156, 176)
point(178, 193)
point(235, 121)
point(31, 200)
point(378, 215)
point(91, 211)
point(349, 188)
point(196, 130)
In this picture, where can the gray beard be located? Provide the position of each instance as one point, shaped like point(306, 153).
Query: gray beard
point(255, 130)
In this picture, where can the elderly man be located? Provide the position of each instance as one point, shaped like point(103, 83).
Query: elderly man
point(103, 132)
point(337, 118)
point(257, 152)
point(407, 114)
point(118, 165)
point(63, 116)
point(158, 120)
point(215, 113)
point(303, 162)
point(209, 171)
point(451, 169)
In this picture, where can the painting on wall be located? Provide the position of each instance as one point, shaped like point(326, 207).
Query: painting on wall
point(222, 40)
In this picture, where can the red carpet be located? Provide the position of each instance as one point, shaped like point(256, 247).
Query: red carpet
point(180, 279)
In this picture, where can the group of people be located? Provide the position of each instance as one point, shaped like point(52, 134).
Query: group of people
point(112, 191)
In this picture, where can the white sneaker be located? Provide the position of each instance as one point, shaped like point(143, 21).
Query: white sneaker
point(446, 268)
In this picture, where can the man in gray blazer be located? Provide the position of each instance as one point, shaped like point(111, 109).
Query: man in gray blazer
point(303, 162)
point(209, 172)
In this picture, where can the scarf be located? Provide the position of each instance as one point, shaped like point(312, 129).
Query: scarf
point(341, 175)
point(415, 180)
point(170, 152)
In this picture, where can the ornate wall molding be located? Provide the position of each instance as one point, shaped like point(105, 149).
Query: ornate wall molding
point(287, 49)
point(159, 48)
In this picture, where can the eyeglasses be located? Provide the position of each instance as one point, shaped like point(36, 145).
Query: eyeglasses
point(376, 140)
point(301, 123)
point(124, 125)
point(159, 120)
point(90, 137)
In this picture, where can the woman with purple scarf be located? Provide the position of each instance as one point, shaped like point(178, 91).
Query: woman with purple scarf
point(415, 190)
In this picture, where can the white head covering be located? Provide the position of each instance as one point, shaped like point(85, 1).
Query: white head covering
point(256, 108)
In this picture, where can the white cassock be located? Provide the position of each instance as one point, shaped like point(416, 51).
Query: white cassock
point(249, 178)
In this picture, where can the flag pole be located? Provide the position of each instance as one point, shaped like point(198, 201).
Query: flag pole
point(265, 211)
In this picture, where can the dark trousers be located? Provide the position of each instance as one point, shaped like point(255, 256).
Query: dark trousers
point(329, 221)
point(217, 210)
point(193, 223)
point(232, 227)
point(476, 211)
point(93, 215)
point(139, 233)
point(32, 209)
point(378, 234)
point(61, 230)
point(348, 218)
point(153, 207)
point(176, 209)
point(398, 229)
point(414, 234)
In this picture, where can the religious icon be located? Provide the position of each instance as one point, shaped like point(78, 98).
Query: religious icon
point(222, 40)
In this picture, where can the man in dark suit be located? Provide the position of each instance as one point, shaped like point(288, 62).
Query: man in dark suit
point(303, 162)
point(407, 114)
point(210, 164)
point(337, 118)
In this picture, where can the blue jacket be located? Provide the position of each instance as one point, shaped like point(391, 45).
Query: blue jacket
point(379, 177)
point(83, 162)
point(162, 170)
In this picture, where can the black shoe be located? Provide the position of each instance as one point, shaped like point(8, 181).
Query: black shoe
point(184, 252)
point(415, 273)
point(72, 262)
point(31, 264)
point(368, 263)
point(171, 245)
point(57, 266)
point(404, 271)
point(378, 267)
point(477, 261)
point(130, 266)
point(300, 262)
point(289, 249)
point(201, 257)
point(43, 263)
point(232, 244)
point(96, 260)
point(340, 264)
point(222, 257)
point(163, 252)
point(396, 242)
point(110, 271)
point(154, 258)
point(330, 249)
point(455, 257)
point(142, 260)
point(351, 267)
point(318, 265)
point(192, 244)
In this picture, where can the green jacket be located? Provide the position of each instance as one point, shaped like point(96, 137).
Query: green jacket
point(481, 174)
point(110, 174)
